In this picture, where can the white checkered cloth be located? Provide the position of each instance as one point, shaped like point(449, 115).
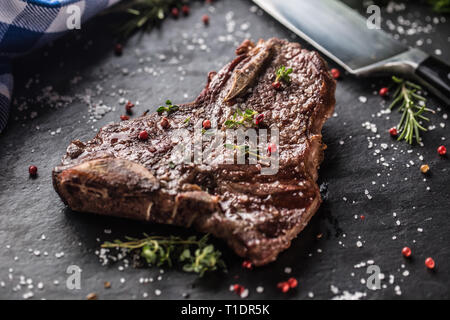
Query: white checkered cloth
point(28, 24)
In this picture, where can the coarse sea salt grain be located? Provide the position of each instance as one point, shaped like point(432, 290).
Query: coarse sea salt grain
point(334, 289)
point(244, 294)
point(346, 295)
point(28, 295)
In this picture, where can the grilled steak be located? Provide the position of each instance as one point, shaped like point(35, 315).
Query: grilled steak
point(258, 215)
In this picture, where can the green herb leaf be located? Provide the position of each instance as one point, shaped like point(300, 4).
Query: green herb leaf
point(169, 109)
point(230, 124)
point(133, 11)
point(160, 14)
point(283, 74)
point(161, 109)
point(186, 254)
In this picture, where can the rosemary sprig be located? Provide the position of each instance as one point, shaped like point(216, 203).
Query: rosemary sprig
point(240, 118)
point(144, 14)
point(193, 255)
point(169, 108)
point(412, 106)
point(283, 74)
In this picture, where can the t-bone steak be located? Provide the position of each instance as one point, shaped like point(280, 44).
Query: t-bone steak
point(119, 174)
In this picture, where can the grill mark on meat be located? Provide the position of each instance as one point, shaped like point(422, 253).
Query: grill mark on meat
point(256, 215)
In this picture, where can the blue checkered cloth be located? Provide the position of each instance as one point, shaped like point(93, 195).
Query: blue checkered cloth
point(28, 24)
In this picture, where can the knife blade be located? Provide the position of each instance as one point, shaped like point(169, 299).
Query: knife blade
point(343, 35)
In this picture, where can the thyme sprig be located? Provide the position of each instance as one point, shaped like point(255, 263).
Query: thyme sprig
point(240, 118)
point(169, 108)
point(412, 105)
point(245, 149)
point(194, 255)
point(283, 74)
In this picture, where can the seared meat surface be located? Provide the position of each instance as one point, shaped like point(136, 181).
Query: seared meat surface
point(258, 215)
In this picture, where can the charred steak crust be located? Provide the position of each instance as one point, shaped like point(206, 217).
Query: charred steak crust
point(257, 215)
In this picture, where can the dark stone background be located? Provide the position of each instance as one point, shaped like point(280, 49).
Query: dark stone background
point(30, 207)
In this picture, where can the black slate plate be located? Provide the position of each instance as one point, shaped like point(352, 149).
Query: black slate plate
point(84, 63)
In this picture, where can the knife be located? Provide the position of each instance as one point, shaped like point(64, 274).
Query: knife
point(343, 35)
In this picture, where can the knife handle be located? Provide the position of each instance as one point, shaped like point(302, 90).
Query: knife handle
point(437, 74)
